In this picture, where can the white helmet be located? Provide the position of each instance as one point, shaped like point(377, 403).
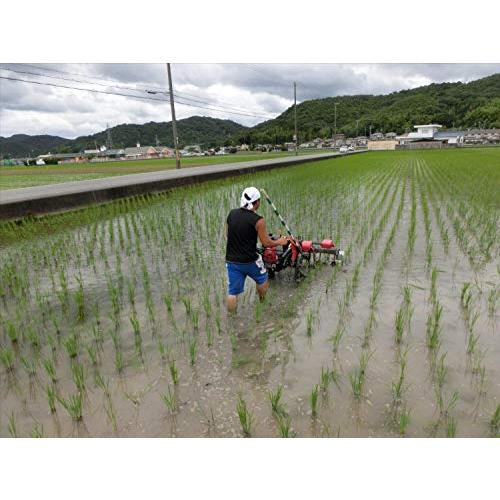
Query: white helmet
point(249, 196)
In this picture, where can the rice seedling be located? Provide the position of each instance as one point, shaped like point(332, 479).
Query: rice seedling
point(451, 427)
point(80, 300)
point(441, 371)
point(246, 418)
point(73, 405)
point(51, 397)
point(493, 296)
point(92, 353)
point(210, 336)
point(275, 400)
point(399, 324)
point(195, 319)
point(187, 305)
point(495, 420)
point(356, 378)
point(174, 373)
point(78, 373)
point(11, 330)
point(71, 345)
point(193, 351)
point(33, 337)
point(398, 386)
point(433, 328)
point(472, 343)
point(314, 400)
point(285, 426)
point(119, 362)
point(403, 420)
point(7, 359)
point(50, 369)
point(170, 400)
point(29, 366)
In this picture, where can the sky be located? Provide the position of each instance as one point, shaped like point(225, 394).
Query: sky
point(246, 93)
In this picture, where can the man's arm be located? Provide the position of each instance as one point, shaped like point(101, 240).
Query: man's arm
point(264, 237)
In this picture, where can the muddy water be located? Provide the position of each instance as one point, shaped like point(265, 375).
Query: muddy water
point(267, 346)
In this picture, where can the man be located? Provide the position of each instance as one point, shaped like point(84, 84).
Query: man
point(242, 260)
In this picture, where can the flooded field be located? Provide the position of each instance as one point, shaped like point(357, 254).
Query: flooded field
point(113, 322)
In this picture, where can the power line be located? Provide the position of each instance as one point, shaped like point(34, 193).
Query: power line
point(220, 110)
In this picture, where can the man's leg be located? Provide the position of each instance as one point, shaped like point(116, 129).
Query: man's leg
point(236, 285)
point(232, 303)
point(262, 289)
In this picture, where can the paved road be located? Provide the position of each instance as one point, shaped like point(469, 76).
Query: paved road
point(38, 200)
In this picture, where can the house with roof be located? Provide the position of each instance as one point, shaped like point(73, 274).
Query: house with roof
point(429, 136)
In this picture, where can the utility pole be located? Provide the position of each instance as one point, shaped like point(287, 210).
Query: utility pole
point(357, 123)
point(296, 137)
point(335, 119)
point(174, 125)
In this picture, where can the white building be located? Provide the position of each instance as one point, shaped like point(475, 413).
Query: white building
point(430, 133)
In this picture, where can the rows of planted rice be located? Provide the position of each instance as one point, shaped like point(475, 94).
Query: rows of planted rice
point(113, 321)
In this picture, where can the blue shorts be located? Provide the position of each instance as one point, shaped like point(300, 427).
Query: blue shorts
point(237, 273)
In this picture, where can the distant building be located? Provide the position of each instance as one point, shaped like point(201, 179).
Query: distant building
point(377, 136)
point(141, 152)
point(482, 136)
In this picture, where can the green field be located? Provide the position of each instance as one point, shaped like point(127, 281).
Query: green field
point(19, 177)
point(113, 318)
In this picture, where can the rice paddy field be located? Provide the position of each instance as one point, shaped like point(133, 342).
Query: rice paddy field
point(113, 320)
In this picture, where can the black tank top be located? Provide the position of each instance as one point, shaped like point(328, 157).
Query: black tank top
point(241, 236)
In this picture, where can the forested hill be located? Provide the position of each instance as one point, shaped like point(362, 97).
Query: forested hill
point(476, 103)
point(21, 145)
point(201, 130)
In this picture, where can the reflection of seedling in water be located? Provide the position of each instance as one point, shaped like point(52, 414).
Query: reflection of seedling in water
point(275, 399)
point(244, 415)
point(37, 431)
point(11, 426)
point(170, 400)
point(310, 320)
point(314, 400)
